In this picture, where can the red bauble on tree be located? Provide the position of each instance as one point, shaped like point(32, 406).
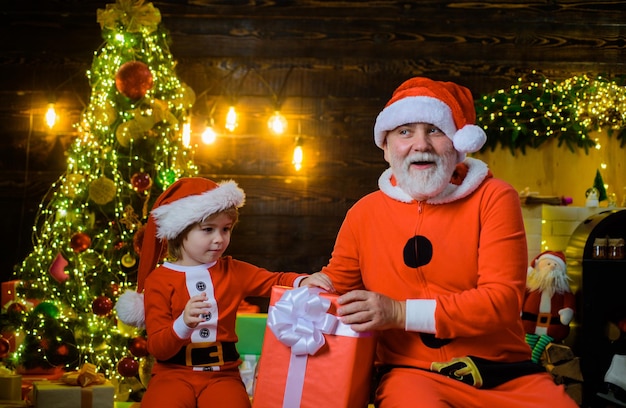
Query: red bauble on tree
point(102, 306)
point(14, 309)
point(5, 347)
point(80, 242)
point(128, 367)
point(133, 80)
point(141, 182)
point(138, 346)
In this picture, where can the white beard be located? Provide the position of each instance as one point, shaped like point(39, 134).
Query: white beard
point(424, 184)
point(550, 280)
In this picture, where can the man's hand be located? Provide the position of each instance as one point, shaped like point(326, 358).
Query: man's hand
point(364, 311)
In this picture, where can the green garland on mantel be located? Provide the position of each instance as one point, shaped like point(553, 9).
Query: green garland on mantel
point(536, 110)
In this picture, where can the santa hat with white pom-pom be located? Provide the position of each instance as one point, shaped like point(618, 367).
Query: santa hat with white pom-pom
point(189, 200)
point(446, 105)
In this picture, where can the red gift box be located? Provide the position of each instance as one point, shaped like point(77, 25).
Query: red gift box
point(337, 375)
point(9, 290)
point(8, 296)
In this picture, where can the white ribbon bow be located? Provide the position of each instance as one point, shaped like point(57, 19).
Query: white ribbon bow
point(299, 320)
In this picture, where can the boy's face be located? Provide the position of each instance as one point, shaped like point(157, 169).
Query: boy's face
point(207, 241)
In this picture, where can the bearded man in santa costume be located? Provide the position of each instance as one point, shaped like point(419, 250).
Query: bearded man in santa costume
point(436, 262)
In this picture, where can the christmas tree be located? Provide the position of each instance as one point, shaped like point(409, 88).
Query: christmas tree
point(88, 230)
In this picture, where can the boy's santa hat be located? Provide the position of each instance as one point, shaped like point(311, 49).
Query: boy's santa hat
point(556, 256)
point(188, 201)
point(446, 105)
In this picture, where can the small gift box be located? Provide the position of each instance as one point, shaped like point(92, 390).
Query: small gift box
point(57, 394)
point(85, 388)
point(10, 385)
point(309, 358)
point(9, 292)
point(247, 370)
point(250, 329)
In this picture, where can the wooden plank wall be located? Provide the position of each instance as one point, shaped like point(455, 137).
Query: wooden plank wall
point(336, 63)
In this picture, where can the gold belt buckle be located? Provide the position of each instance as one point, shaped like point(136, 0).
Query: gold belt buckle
point(543, 319)
point(214, 352)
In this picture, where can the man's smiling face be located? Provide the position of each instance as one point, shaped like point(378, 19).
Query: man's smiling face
point(422, 159)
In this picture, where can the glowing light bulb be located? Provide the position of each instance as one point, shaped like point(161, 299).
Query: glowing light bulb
point(51, 116)
point(231, 119)
point(277, 123)
point(209, 135)
point(298, 156)
point(186, 137)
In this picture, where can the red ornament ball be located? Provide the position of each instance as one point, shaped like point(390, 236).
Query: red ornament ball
point(133, 80)
point(16, 308)
point(128, 367)
point(5, 347)
point(102, 306)
point(141, 182)
point(138, 346)
point(80, 242)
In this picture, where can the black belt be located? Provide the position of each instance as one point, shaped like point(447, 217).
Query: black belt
point(542, 319)
point(475, 371)
point(205, 354)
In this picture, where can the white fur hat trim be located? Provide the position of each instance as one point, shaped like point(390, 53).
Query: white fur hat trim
point(130, 309)
point(171, 219)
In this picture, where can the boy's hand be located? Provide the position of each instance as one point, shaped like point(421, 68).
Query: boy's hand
point(320, 280)
point(196, 308)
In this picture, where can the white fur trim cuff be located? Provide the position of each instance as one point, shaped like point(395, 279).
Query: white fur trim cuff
point(181, 329)
point(420, 315)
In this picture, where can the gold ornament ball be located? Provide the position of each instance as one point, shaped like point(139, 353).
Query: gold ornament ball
point(128, 261)
point(102, 190)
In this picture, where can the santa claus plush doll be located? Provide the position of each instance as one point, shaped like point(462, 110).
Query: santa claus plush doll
point(549, 303)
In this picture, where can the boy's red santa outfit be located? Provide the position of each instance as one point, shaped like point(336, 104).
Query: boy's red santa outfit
point(459, 261)
point(206, 354)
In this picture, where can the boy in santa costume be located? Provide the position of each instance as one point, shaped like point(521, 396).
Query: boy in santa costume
point(436, 262)
point(191, 300)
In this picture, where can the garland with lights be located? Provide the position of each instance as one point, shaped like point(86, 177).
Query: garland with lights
point(536, 110)
point(88, 229)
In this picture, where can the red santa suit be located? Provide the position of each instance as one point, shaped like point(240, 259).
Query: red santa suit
point(459, 260)
point(208, 349)
point(226, 283)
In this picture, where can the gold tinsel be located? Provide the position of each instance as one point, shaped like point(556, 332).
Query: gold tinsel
point(131, 15)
